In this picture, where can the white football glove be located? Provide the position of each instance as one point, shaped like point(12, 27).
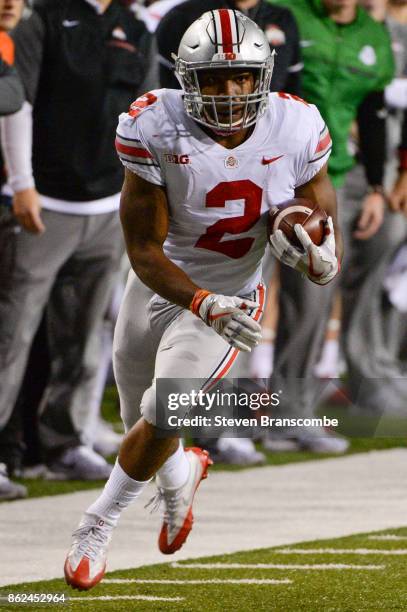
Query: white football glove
point(319, 263)
point(227, 316)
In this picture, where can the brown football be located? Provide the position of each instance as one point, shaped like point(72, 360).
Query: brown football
point(302, 211)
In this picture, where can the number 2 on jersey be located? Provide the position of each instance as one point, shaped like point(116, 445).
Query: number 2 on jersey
point(216, 198)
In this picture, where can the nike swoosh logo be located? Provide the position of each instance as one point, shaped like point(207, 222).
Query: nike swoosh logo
point(67, 23)
point(266, 161)
point(218, 316)
point(306, 43)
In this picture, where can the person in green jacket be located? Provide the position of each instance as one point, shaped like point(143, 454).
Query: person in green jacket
point(348, 61)
point(347, 56)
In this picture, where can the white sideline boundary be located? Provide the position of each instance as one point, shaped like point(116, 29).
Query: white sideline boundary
point(279, 566)
point(255, 508)
point(247, 581)
point(341, 551)
point(387, 537)
point(152, 598)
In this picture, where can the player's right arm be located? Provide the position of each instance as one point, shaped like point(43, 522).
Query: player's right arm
point(145, 219)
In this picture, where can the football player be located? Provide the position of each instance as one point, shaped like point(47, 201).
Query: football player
point(203, 168)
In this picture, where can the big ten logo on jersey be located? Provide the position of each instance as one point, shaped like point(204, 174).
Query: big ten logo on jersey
point(173, 158)
point(142, 103)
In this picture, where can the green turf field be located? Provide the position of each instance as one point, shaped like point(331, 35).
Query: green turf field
point(272, 579)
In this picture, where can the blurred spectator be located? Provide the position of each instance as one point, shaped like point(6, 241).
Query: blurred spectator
point(372, 324)
point(11, 100)
point(11, 12)
point(382, 368)
point(152, 12)
point(277, 22)
point(81, 64)
point(347, 63)
point(396, 98)
point(11, 89)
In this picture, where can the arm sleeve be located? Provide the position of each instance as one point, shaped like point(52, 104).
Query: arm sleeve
point(11, 90)
point(372, 135)
point(317, 151)
point(134, 152)
point(16, 137)
point(169, 34)
point(29, 42)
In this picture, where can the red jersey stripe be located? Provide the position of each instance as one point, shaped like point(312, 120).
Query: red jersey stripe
point(326, 141)
point(133, 151)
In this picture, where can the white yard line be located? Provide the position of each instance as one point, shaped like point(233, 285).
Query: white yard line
point(209, 581)
point(341, 551)
point(279, 566)
point(130, 597)
point(387, 537)
point(255, 508)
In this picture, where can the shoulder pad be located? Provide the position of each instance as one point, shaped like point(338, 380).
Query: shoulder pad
point(141, 104)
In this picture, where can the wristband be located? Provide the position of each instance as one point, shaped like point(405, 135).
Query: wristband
point(200, 295)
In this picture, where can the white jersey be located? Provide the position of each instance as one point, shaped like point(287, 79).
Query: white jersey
point(219, 198)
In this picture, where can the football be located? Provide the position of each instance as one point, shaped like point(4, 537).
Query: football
point(302, 211)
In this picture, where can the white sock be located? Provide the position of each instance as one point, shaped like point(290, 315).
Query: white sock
point(328, 365)
point(175, 471)
point(330, 353)
point(119, 492)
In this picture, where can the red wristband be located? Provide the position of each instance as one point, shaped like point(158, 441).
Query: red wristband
point(200, 295)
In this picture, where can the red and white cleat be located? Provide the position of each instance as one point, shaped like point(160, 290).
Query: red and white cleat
point(86, 561)
point(178, 517)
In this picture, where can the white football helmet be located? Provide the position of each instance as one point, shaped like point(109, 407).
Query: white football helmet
point(224, 39)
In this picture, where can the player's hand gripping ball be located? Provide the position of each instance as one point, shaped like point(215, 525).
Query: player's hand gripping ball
point(301, 235)
point(229, 317)
point(298, 210)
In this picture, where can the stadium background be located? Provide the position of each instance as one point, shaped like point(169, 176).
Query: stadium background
point(298, 492)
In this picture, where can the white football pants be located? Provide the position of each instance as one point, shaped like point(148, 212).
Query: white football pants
point(156, 339)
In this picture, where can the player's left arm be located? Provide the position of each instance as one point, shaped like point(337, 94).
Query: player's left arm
point(321, 191)
point(320, 263)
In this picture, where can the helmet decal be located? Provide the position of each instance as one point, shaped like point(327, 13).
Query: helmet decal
point(226, 31)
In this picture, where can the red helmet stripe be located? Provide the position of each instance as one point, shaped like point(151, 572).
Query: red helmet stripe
point(227, 39)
